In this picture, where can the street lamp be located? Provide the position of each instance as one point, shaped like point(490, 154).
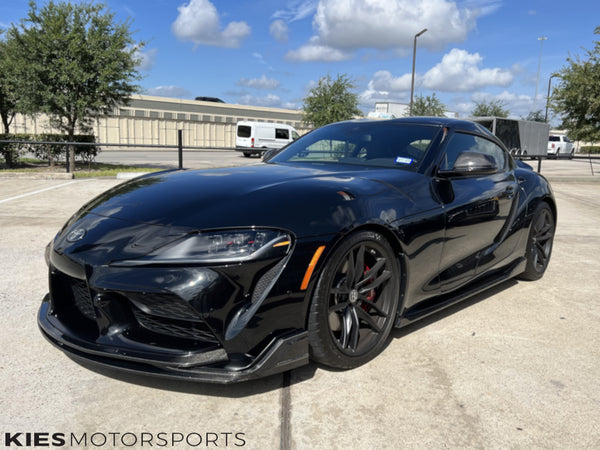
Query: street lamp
point(541, 39)
point(412, 83)
point(548, 97)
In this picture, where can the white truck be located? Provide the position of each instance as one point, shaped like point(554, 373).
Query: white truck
point(559, 145)
point(255, 138)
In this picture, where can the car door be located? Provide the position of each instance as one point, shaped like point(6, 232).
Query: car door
point(479, 208)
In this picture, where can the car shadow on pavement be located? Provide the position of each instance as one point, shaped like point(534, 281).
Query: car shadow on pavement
point(279, 381)
point(446, 312)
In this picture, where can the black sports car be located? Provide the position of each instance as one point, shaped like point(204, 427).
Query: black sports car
point(317, 252)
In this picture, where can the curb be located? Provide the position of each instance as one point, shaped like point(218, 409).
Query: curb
point(573, 179)
point(37, 175)
point(130, 175)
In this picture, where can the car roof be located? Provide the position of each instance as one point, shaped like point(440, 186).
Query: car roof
point(461, 124)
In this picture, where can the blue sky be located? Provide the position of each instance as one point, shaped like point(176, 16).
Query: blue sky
point(270, 53)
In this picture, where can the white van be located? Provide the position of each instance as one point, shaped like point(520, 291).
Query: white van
point(254, 138)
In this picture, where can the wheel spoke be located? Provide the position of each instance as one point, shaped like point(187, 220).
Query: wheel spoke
point(369, 320)
point(346, 328)
point(338, 307)
point(542, 250)
point(350, 271)
point(540, 256)
point(342, 290)
point(359, 266)
point(371, 272)
point(355, 332)
point(385, 275)
point(371, 305)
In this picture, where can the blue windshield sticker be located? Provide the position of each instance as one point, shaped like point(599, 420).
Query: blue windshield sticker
point(403, 160)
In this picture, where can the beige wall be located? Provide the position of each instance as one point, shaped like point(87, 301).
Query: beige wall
point(148, 120)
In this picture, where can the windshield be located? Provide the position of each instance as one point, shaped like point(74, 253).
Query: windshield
point(368, 143)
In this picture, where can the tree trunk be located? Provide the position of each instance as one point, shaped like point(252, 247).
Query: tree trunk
point(71, 158)
point(6, 123)
point(71, 149)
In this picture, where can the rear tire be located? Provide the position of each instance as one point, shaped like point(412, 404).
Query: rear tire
point(539, 243)
point(355, 302)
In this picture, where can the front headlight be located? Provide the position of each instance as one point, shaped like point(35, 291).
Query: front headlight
point(220, 246)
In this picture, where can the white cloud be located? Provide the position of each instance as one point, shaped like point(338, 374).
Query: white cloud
point(198, 22)
point(147, 59)
point(519, 105)
point(259, 83)
point(483, 7)
point(459, 71)
point(271, 101)
point(279, 30)
point(315, 51)
point(389, 24)
point(296, 10)
point(343, 26)
point(369, 97)
point(170, 91)
point(384, 81)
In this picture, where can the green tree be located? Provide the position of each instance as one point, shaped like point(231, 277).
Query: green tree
point(535, 116)
point(8, 99)
point(330, 101)
point(493, 108)
point(428, 106)
point(577, 96)
point(73, 62)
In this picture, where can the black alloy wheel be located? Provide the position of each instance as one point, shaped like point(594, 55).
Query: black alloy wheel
point(539, 243)
point(355, 302)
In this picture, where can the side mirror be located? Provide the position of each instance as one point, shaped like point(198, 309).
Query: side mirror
point(472, 163)
point(269, 154)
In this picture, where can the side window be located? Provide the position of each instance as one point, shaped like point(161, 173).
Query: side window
point(244, 131)
point(282, 133)
point(461, 142)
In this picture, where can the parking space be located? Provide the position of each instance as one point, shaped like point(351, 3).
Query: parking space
point(515, 367)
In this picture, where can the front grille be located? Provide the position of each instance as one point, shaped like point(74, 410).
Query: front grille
point(264, 283)
point(164, 305)
point(82, 298)
point(177, 328)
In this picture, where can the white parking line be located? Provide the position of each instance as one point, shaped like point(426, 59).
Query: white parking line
point(36, 192)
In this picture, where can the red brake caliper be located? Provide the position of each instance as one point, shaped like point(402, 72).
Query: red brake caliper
point(370, 295)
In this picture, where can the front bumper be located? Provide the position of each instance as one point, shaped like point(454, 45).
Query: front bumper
point(205, 365)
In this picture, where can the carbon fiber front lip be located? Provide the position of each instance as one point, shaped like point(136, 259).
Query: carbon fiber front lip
point(284, 353)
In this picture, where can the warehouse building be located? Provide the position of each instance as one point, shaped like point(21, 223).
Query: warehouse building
point(149, 120)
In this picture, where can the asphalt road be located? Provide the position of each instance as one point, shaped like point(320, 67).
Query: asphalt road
point(514, 367)
point(192, 159)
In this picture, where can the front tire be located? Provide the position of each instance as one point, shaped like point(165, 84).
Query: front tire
point(355, 301)
point(539, 243)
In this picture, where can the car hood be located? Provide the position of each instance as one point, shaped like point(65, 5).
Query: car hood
point(260, 195)
point(137, 216)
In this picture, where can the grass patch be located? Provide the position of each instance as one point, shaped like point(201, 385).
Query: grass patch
point(82, 170)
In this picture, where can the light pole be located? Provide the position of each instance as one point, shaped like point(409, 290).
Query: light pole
point(541, 39)
point(412, 83)
point(548, 97)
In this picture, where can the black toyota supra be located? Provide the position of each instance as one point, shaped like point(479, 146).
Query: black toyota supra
point(316, 253)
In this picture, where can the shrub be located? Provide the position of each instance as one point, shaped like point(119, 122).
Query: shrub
point(13, 150)
point(49, 151)
point(590, 149)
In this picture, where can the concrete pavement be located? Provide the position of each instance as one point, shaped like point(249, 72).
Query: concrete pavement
point(514, 367)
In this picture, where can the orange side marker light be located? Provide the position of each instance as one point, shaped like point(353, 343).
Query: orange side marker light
point(311, 267)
